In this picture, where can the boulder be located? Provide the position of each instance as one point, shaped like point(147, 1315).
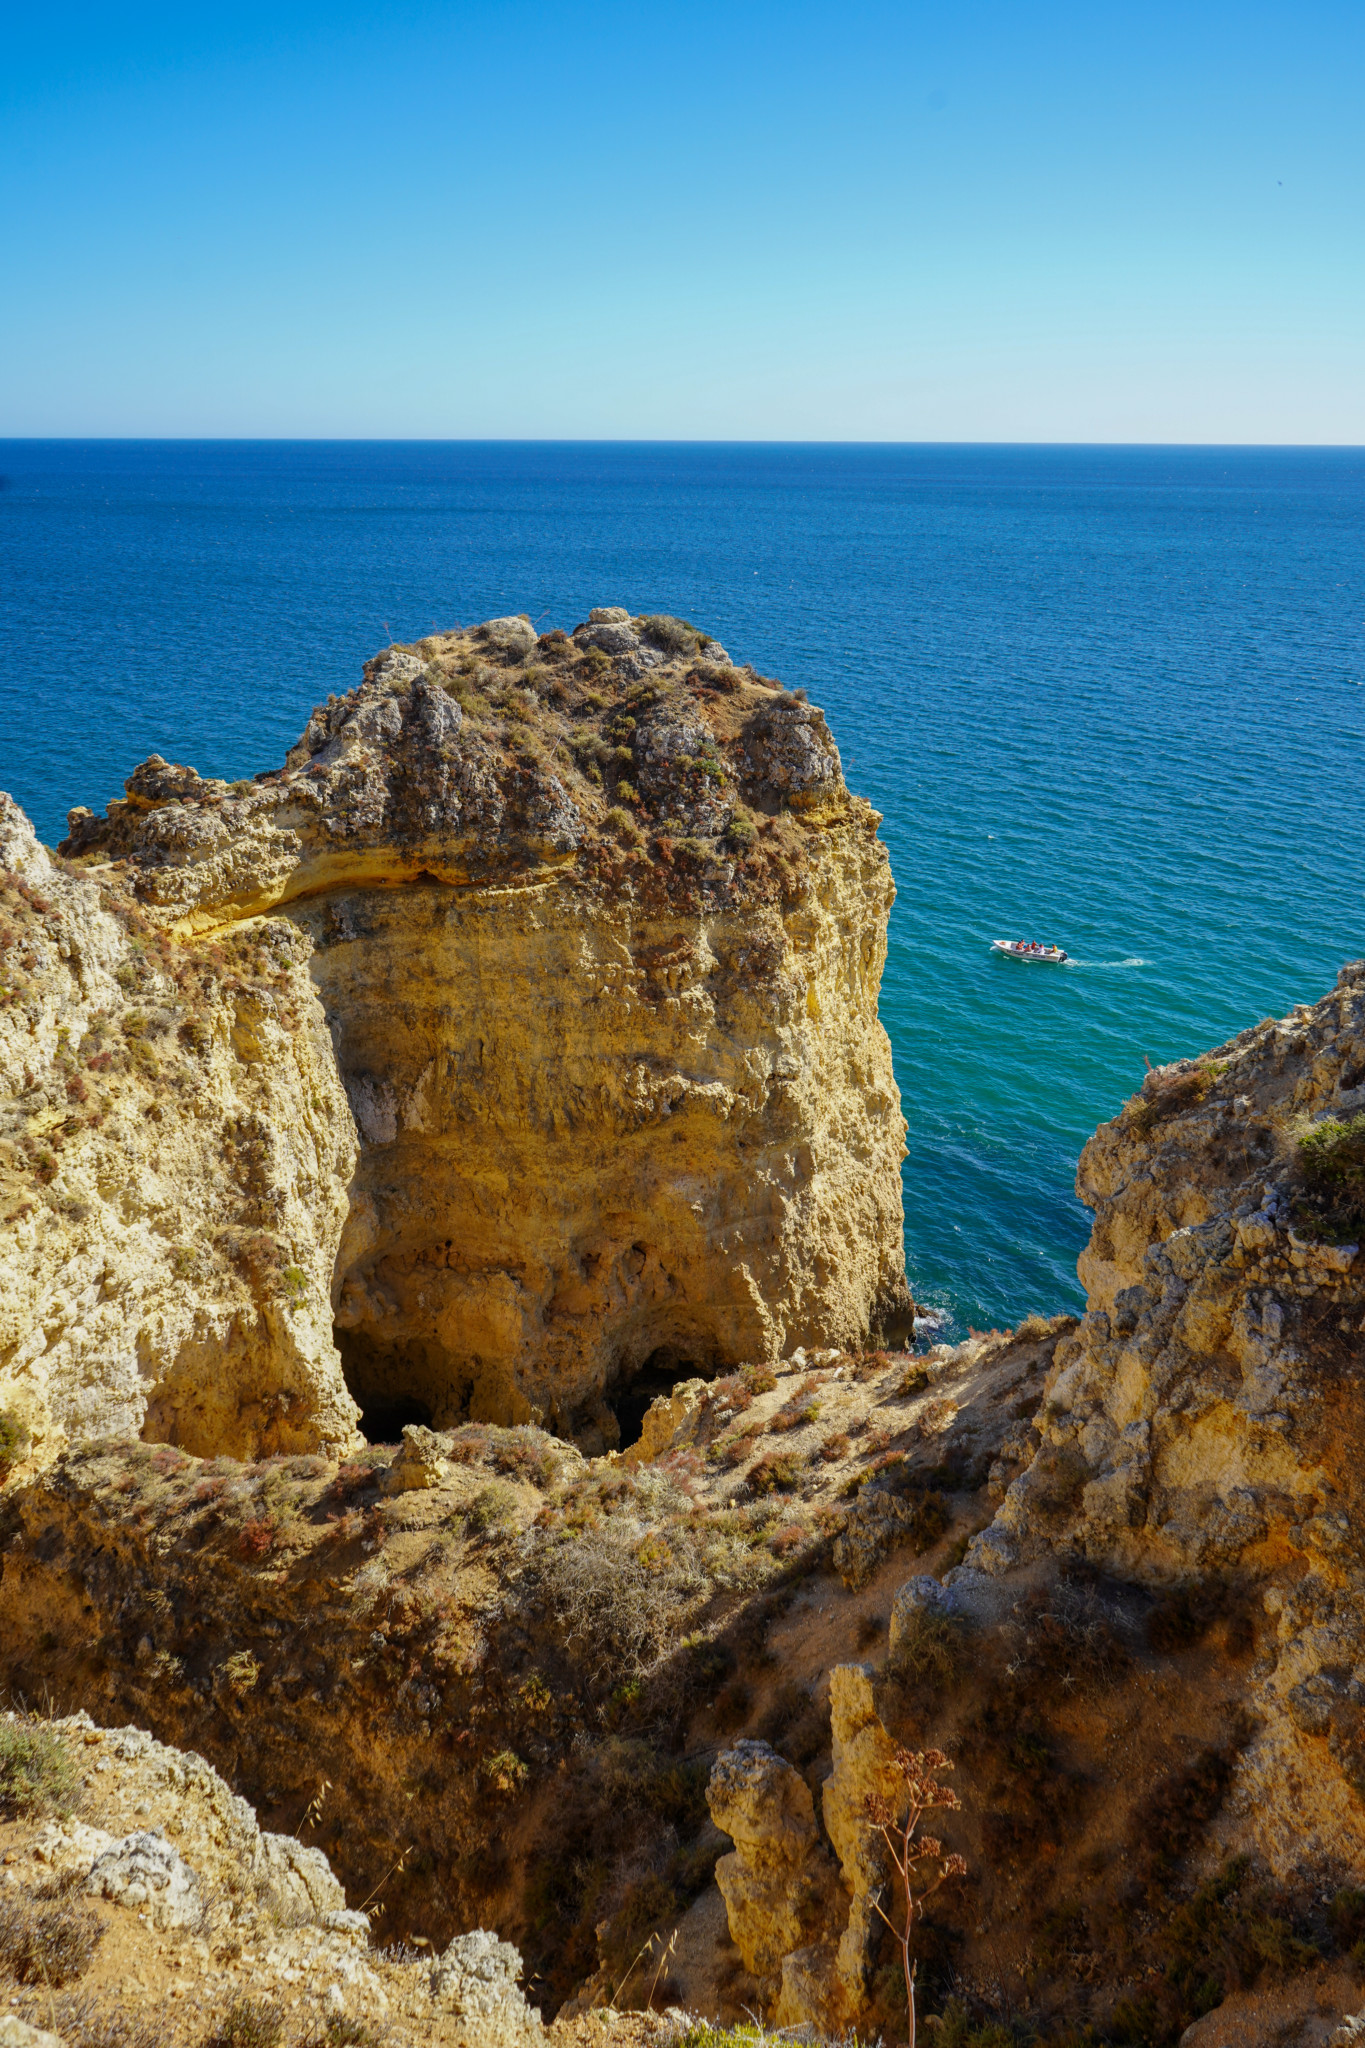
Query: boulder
point(515, 635)
point(478, 1980)
point(612, 637)
point(876, 1524)
point(296, 1881)
point(791, 751)
point(17, 2033)
point(420, 1463)
point(664, 1417)
point(145, 1872)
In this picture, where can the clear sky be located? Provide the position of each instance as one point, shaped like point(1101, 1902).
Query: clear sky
point(971, 220)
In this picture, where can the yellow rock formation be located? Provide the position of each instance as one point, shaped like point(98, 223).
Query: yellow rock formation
point(518, 1039)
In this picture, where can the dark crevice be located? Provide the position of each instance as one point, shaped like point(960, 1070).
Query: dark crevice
point(383, 1418)
point(391, 1386)
point(659, 1374)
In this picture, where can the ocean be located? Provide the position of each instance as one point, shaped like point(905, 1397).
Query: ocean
point(1109, 697)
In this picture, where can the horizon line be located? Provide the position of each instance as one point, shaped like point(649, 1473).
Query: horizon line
point(634, 441)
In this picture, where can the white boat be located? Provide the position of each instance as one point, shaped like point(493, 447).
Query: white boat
point(1023, 949)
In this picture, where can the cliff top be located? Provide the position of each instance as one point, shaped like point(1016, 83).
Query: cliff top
point(632, 750)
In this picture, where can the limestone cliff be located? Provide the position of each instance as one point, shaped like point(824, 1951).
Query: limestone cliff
point(175, 1153)
point(1151, 1663)
point(517, 1037)
point(1205, 1424)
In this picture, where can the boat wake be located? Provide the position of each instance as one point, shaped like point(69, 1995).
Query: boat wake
point(1109, 964)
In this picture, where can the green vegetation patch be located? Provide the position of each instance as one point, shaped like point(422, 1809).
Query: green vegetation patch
point(1331, 1167)
point(37, 1771)
point(674, 636)
point(14, 1442)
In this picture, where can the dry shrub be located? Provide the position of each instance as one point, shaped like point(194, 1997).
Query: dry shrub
point(351, 1480)
point(727, 1397)
point(796, 1413)
point(46, 1942)
point(469, 1445)
point(929, 1648)
point(1065, 1642)
point(1167, 1091)
point(674, 636)
point(936, 1416)
point(524, 1454)
point(1331, 1167)
point(80, 2022)
point(506, 1772)
point(492, 1507)
point(648, 1905)
point(619, 1615)
point(834, 1447)
point(1171, 1819)
point(758, 1379)
point(342, 2030)
point(1058, 1477)
point(733, 1450)
point(1346, 1921)
point(37, 1771)
point(248, 2023)
point(256, 1539)
point(1227, 1937)
point(241, 1671)
point(775, 1472)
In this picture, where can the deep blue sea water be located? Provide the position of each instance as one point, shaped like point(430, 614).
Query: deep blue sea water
point(1110, 697)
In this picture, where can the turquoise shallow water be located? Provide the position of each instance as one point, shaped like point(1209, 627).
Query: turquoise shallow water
point(1111, 697)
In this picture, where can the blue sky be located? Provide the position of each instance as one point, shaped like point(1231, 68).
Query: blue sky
point(910, 222)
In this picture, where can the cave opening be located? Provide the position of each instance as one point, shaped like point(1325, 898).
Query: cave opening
point(384, 1417)
point(394, 1385)
point(659, 1374)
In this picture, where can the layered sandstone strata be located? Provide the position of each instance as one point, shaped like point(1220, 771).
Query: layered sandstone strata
point(517, 1038)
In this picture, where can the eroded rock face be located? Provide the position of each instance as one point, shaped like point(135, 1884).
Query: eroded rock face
point(175, 1152)
point(809, 1934)
point(1205, 1422)
point(521, 1030)
point(245, 1912)
point(777, 1882)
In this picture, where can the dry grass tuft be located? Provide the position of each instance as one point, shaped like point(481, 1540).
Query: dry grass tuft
point(248, 2023)
point(46, 1942)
